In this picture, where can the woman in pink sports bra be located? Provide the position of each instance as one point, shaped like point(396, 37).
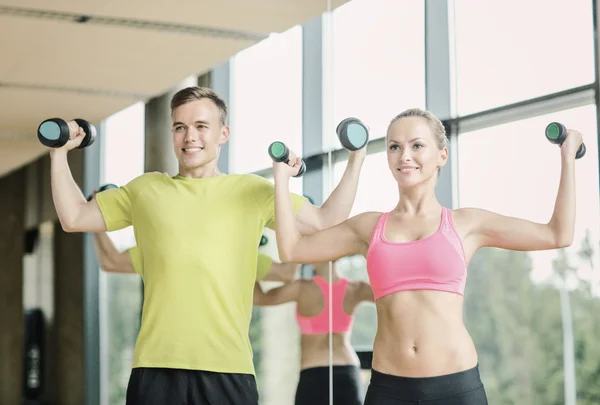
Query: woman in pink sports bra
point(417, 259)
point(312, 315)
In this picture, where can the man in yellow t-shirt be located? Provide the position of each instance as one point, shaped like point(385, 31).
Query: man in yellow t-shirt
point(198, 234)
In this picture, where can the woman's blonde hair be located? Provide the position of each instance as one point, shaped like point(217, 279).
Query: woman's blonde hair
point(439, 132)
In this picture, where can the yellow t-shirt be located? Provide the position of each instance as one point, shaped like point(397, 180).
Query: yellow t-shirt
point(263, 266)
point(136, 259)
point(198, 248)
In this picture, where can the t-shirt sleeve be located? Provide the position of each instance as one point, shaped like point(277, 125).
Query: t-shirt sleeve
point(136, 259)
point(264, 192)
point(116, 204)
point(263, 266)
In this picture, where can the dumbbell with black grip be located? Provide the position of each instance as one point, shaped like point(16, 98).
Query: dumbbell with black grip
point(279, 152)
point(557, 133)
point(102, 188)
point(55, 133)
point(352, 133)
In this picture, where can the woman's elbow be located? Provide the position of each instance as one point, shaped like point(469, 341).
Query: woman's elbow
point(564, 241)
point(286, 253)
point(563, 238)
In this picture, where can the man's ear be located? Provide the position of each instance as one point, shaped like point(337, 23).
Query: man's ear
point(224, 135)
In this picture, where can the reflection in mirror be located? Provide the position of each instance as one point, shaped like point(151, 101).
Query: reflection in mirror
point(322, 290)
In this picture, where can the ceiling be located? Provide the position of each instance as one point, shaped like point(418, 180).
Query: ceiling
point(92, 58)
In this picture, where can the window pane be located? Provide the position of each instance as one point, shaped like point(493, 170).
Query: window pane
point(519, 304)
point(120, 294)
point(266, 100)
point(378, 62)
point(509, 51)
point(377, 189)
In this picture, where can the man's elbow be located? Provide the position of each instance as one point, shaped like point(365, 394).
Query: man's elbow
point(67, 226)
point(108, 265)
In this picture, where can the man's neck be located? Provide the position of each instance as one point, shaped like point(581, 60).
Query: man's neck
point(209, 170)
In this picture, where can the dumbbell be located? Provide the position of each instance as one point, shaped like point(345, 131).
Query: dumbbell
point(54, 133)
point(557, 133)
point(102, 188)
point(352, 133)
point(279, 152)
point(263, 240)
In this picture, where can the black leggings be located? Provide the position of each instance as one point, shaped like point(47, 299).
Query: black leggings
point(313, 386)
point(463, 388)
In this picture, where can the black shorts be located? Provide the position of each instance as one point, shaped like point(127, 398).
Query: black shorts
point(161, 386)
point(313, 386)
point(463, 388)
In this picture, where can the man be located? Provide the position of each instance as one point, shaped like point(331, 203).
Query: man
point(198, 234)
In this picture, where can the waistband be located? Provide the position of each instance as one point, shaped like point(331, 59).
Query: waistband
point(426, 388)
point(320, 370)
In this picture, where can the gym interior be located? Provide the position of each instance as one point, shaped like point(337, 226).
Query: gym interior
point(496, 74)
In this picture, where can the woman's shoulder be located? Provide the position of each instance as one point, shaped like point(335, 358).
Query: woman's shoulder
point(366, 219)
point(469, 218)
point(364, 224)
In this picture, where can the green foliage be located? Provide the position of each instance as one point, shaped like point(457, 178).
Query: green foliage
point(517, 328)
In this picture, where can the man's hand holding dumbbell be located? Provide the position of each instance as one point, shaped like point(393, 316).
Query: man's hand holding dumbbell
point(64, 135)
point(75, 212)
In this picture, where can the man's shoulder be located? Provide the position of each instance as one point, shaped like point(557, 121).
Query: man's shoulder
point(250, 177)
point(136, 185)
point(250, 181)
point(150, 177)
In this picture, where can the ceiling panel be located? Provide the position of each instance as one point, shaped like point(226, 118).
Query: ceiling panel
point(127, 51)
point(108, 58)
point(258, 16)
point(17, 153)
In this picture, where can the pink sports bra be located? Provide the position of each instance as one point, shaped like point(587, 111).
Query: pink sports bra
point(319, 324)
point(434, 263)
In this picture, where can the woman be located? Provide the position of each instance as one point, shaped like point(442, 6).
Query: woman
point(312, 315)
point(417, 259)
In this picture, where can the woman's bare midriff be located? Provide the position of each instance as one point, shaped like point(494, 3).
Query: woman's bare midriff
point(422, 334)
point(315, 351)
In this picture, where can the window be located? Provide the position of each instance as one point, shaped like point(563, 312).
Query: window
point(378, 62)
point(266, 100)
point(509, 51)
point(377, 188)
point(521, 307)
point(120, 295)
